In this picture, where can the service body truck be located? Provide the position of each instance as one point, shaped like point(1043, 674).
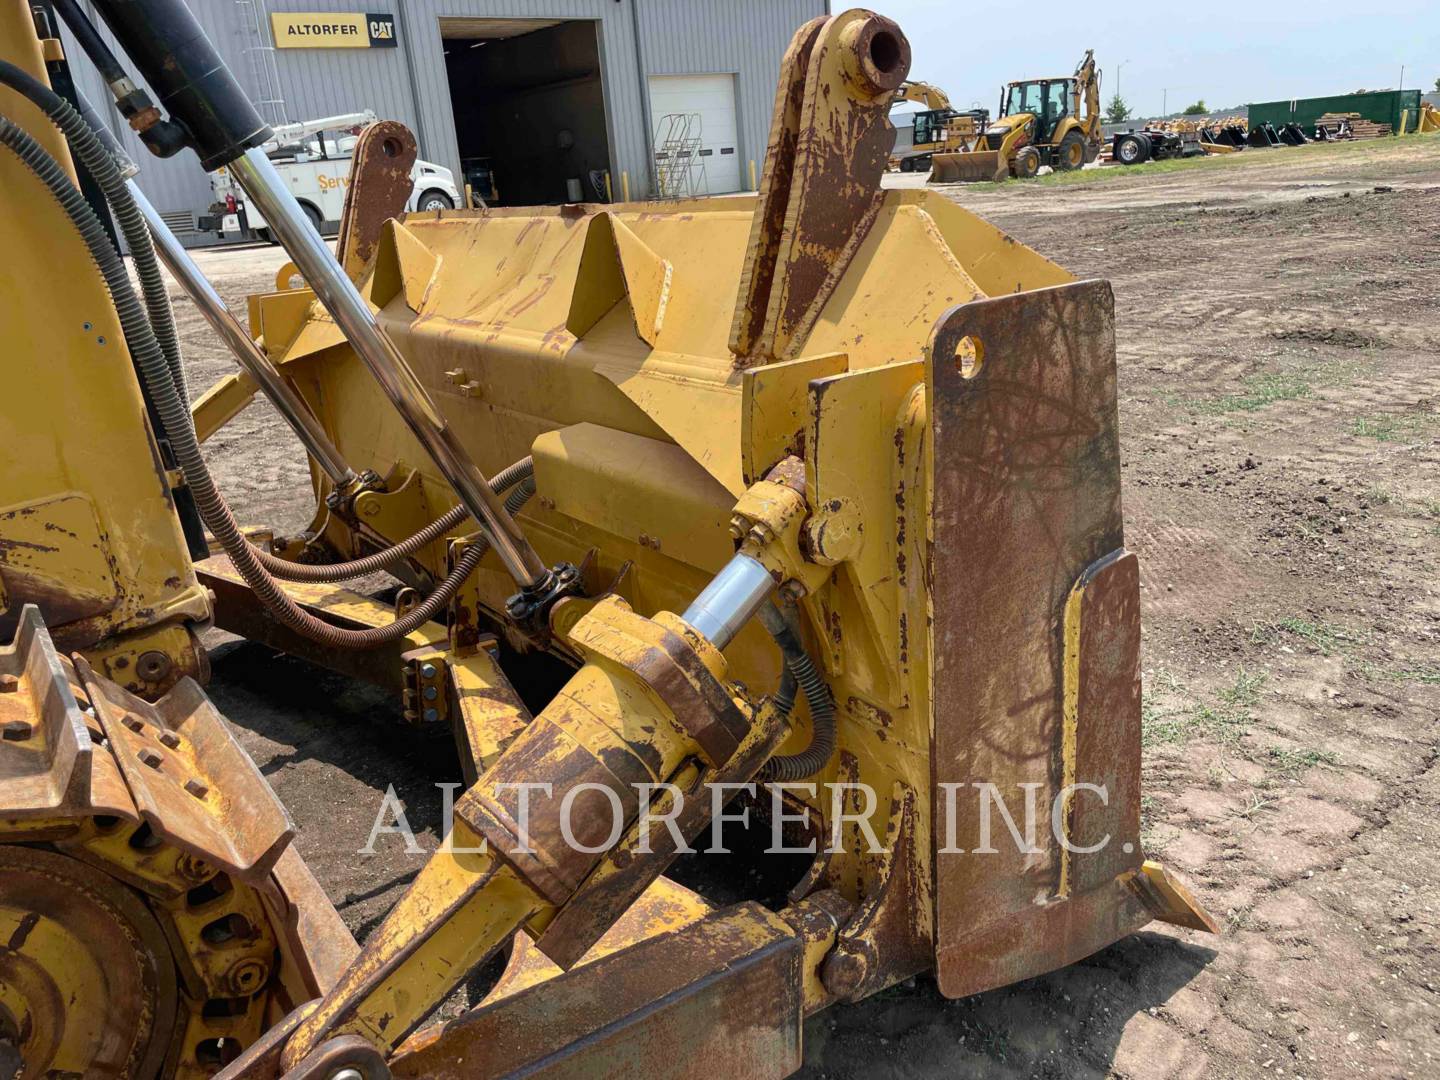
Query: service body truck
point(314, 158)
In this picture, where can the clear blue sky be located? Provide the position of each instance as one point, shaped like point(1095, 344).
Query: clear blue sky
point(1224, 51)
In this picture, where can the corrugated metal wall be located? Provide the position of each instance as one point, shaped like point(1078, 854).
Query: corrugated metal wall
point(1381, 106)
point(742, 37)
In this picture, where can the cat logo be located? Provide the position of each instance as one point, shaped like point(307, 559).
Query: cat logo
point(382, 31)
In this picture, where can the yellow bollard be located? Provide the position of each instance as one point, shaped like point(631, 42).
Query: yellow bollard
point(1404, 120)
point(753, 185)
point(625, 186)
point(609, 191)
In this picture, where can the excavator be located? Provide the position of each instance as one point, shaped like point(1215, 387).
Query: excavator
point(938, 128)
point(848, 577)
point(1052, 121)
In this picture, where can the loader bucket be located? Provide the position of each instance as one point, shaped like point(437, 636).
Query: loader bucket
point(977, 166)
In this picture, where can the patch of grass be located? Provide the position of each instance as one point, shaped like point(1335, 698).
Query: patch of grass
point(1293, 762)
point(1427, 674)
point(1294, 383)
point(1389, 428)
point(1430, 507)
point(1329, 638)
point(1259, 391)
point(1226, 720)
point(1245, 691)
point(1160, 727)
point(1104, 173)
point(1378, 496)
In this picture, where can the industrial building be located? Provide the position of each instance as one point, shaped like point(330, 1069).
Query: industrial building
point(538, 97)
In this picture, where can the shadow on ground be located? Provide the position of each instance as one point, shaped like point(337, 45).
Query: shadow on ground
point(1066, 1024)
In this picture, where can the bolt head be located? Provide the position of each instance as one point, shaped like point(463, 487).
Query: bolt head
point(153, 666)
point(793, 590)
point(427, 670)
point(9, 684)
point(430, 716)
point(16, 730)
point(431, 693)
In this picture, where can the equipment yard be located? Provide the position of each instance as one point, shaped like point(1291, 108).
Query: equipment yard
point(1280, 435)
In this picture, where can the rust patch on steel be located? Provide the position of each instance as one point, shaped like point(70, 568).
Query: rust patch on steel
point(724, 989)
point(758, 275)
point(380, 185)
point(1027, 499)
point(191, 781)
point(831, 196)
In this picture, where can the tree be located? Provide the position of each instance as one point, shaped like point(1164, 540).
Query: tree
point(1117, 111)
point(1198, 109)
point(1437, 86)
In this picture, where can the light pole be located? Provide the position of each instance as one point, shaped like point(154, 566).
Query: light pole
point(1164, 101)
point(1118, 68)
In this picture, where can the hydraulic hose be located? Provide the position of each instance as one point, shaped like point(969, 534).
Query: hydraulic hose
point(98, 162)
point(380, 560)
point(174, 413)
point(799, 670)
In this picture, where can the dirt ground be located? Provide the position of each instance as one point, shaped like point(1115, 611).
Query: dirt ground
point(1280, 419)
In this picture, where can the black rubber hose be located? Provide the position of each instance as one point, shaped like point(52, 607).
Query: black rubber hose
point(97, 153)
point(91, 42)
point(175, 415)
point(380, 560)
point(93, 156)
point(801, 671)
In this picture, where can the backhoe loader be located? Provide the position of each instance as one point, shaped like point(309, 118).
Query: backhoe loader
point(859, 567)
point(1054, 122)
point(938, 128)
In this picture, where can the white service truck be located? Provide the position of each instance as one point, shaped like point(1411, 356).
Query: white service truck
point(314, 157)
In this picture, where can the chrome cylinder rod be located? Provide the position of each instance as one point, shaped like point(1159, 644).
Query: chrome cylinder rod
point(257, 176)
point(725, 605)
point(247, 354)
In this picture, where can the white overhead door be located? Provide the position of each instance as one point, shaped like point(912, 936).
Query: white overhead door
point(710, 102)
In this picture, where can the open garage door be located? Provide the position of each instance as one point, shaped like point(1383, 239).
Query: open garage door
point(529, 108)
point(711, 133)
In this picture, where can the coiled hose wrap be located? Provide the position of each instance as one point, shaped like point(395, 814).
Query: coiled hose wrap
point(800, 671)
point(173, 409)
point(96, 159)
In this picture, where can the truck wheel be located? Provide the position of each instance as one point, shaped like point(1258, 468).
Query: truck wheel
point(313, 215)
point(1027, 163)
point(1131, 149)
point(907, 164)
point(435, 200)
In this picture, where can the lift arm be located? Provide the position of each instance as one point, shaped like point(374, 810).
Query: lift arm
point(932, 97)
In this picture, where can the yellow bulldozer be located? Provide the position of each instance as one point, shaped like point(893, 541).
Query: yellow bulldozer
point(1052, 121)
point(850, 574)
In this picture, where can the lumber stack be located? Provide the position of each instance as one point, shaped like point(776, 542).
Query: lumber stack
point(1351, 126)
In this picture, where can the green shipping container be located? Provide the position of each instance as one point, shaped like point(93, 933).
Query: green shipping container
point(1382, 106)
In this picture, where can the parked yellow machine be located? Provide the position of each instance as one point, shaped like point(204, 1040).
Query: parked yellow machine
point(938, 128)
point(904, 511)
point(1054, 121)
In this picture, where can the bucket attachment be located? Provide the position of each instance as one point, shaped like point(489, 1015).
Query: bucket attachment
point(973, 167)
